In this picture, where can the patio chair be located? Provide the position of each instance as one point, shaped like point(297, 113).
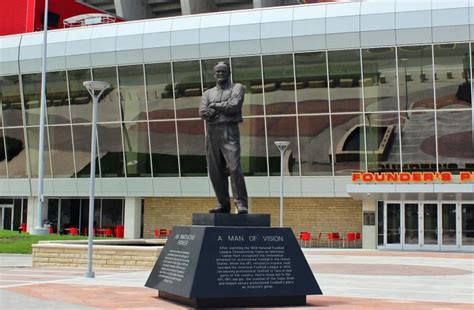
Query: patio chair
point(305, 238)
point(333, 237)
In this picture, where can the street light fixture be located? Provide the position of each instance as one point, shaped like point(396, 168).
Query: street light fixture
point(282, 146)
point(95, 89)
point(39, 228)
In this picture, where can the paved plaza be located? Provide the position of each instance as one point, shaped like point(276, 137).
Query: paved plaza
point(350, 279)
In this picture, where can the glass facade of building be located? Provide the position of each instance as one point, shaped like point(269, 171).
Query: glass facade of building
point(404, 108)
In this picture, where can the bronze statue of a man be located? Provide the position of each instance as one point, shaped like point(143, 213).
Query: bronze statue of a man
point(221, 108)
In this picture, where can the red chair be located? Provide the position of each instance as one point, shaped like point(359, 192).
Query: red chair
point(358, 240)
point(119, 231)
point(156, 233)
point(51, 230)
point(333, 237)
point(350, 237)
point(22, 227)
point(305, 237)
point(109, 232)
point(73, 231)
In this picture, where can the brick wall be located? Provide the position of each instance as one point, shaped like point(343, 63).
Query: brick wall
point(47, 254)
point(301, 214)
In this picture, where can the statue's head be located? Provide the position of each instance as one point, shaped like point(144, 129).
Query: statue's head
point(221, 72)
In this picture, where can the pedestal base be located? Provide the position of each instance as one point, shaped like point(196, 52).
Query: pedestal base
point(40, 231)
point(231, 266)
point(275, 301)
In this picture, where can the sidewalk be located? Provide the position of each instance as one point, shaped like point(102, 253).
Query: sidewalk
point(350, 279)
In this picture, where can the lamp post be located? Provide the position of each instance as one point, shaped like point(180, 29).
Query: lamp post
point(405, 60)
point(282, 146)
point(39, 229)
point(95, 89)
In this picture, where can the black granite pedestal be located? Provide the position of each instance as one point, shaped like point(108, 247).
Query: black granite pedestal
point(227, 260)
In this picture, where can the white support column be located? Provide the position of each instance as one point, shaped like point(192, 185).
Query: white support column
point(132, 218)
point(369, 232)
point(31, 213)
point(197, 6)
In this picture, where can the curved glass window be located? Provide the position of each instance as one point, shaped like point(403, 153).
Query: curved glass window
point(344, 80)
point(279, 84)
point(33, 152)
point(132, 93)
point(248, 72)
point(81, 102)
point(159, 91)
point(15, 151)
point(253, 157)
point(315, 143)
point(383, 143)
point(415, 73)
point(109, 107)
point(455, 140)
point(32, 97)
point(348, 151)
point(110, 149)
point(137, 150)
point(380, 79)
point(57, 100)
point(10, 101)
point(82, 150)
point(453, 89)
point(62, 157)
point(192, 153)
point(164, 151)
point(283, 129)
point(418, 142)
point(187, 87)
point(311, 82)
point(3, 158)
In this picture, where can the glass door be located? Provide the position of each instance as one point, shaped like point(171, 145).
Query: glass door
point(410, 237)
point(467, 226)
point(6, 217)
point(448, 225)
point(393, 225)
point(430, 226)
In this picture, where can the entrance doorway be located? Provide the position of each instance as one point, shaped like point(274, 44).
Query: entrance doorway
point(6, 216)
point(429, 225)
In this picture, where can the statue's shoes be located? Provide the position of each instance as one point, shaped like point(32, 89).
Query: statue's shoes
point(220, 209)
point(242, 210)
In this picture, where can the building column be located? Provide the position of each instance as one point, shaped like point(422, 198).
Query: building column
point(197, 6)
point(131, 9)
point(369, 228)
point(31, 213)
point(132, 217)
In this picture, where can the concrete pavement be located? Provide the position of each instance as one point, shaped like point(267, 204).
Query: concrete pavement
point(350, 279)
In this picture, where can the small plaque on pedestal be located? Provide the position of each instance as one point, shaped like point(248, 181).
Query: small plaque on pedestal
point(229, 266)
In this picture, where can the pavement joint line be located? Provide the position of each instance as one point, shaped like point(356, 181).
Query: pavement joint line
point(390, 289)
point(35, 275)
point(47, 281)
point(398, 299)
